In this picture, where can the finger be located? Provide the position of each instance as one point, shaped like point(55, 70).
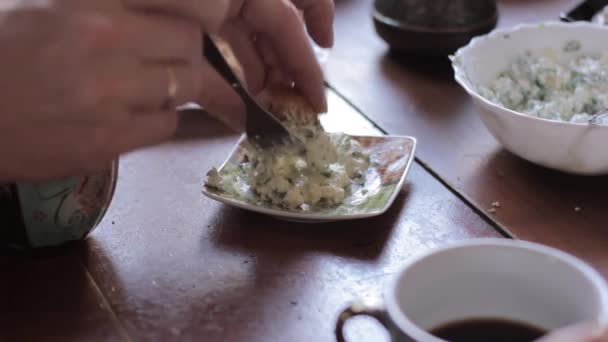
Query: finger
point(209, 14)
point(279, 21)
point(230, 58)
point(319, 17)
point(160, 86)
point(241, 41)
point(157, 37)
point(144, 130)
point(146, 86)
point(219, 99)
point(174, 84)
point(275, 75)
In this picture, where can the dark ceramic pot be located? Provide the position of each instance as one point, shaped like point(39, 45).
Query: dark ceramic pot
point(432, 27)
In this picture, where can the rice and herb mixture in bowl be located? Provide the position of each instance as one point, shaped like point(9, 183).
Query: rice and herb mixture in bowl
point(554, 84)
point(539, 88)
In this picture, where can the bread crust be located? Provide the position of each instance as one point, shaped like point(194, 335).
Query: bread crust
point(287, 104)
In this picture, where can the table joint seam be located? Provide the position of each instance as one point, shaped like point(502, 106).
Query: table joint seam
point(118, 324)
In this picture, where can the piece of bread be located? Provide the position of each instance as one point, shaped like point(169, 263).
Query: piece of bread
point(284, 102)
point(288, 105)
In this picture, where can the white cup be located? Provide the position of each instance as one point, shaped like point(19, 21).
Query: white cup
point(487, 278)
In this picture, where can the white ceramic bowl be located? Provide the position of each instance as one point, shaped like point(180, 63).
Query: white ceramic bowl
point(569, 147)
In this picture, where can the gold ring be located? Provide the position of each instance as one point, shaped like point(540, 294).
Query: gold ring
point(172, 85)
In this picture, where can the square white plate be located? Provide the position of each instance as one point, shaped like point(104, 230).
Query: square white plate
point(391, 158)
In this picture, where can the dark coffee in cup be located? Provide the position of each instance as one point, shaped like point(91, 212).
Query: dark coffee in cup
point(486, 290)
point(488, 329)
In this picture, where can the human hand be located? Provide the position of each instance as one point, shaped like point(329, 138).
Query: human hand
point(84, 81)
point(268, 38)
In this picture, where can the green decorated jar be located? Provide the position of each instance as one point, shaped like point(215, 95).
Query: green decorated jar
point(53, 213)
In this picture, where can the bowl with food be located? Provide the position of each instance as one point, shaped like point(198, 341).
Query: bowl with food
point(319, 177)
point(542, 90)
point(432, 28)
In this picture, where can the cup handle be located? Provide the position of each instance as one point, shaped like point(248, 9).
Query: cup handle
point(374, 310)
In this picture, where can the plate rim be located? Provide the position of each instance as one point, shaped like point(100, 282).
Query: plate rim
point(278, 213)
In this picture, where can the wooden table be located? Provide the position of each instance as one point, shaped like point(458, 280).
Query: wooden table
point(168, 264)
point(421, 99)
